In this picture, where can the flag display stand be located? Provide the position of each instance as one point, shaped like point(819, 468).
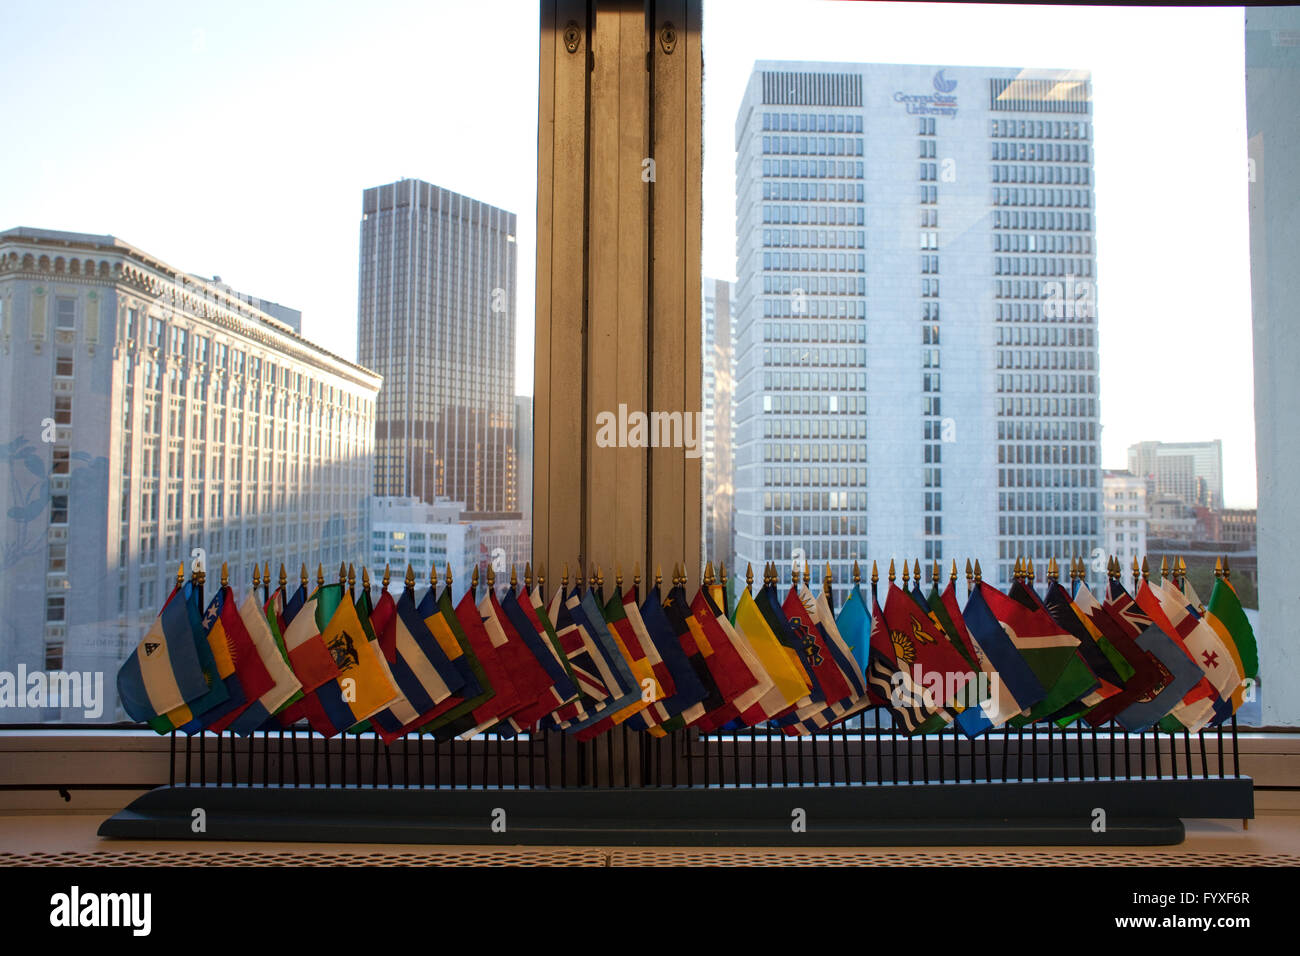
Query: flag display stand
point(850, 786)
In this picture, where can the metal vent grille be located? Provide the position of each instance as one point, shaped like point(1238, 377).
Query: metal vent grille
point(635, 856)
point(468, 856)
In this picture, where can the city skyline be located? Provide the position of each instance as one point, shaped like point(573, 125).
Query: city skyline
point(307, 79)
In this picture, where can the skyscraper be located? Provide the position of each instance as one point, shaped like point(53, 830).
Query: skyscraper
point(1191, 471)
point(916, 326)
point(144, 414)
point(436, 317)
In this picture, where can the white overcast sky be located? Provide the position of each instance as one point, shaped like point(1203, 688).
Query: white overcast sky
point(235, 138)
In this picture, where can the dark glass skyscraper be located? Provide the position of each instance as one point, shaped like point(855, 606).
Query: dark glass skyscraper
point(436, 318)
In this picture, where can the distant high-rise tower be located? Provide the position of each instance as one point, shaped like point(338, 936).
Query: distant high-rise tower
point(916, 363)
point(1191, 471)
point(718, 333)
point(436, 318)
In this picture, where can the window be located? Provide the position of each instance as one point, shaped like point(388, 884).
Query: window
point(63, 364)
point(65, 313)
point(55, 608)
point(58, 509)
point(63, 409)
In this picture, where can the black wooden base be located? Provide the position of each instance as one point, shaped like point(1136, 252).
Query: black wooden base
point(1062, 813)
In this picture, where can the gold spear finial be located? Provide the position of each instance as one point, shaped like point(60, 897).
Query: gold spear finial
point(528, 575)
point(636, 575)
point(1017, 569)
point(352, 577)
point(1164, 566)
point(473, 579)
point(1029, 569)
point(284, 577)
point(970, 571)
point(905, 573)
point(952, 577)
point(304, 575)
point(891, 571)
point(564, 579)
point(343, 573)
point(491, 578)
point(618, 575)
point(388, 576)
point(722, 573)
point(875, 574)
point(708, 573)
point(1137, 571)
point(225, 574)
point(266, 573)
point(749, 576)
point(410, 578)
point(541, 576)
point(600, 578)
point(200, 575)
point(1146, 569)
point(257, 575)
point(1227, 570)
point(514, 579)
point(579, 578)
point(935, 573)
point(659, 574)
point(979, 575)
point(365, 578)
point(1218, 567)
point(916, 571)
point(320, 575)
point(826, 579)
point(1181, 571)
point(1053, 570)
point(180, 575)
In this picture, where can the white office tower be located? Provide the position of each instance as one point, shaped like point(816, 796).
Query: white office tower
point(915, 306)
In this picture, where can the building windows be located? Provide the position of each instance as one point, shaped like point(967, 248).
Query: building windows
point(55, 608)
point(63, 409)
point(65, 316)
point(63, 364)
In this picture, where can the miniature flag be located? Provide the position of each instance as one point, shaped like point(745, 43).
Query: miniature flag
point(1225, 614)
point(908, 703)
point(1179, 675)
point(166, 670)
point(1049, 650)
point(238, 665)
point(1012, 685)
point(285, 685)
point(682, 685)
point(362, 686)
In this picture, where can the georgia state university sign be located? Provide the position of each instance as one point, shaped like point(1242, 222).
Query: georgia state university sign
point(939, 103)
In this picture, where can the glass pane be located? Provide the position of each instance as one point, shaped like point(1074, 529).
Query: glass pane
point(316, 328)
point(1025, 283)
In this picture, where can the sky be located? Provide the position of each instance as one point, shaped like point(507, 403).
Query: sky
point(235, 139)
